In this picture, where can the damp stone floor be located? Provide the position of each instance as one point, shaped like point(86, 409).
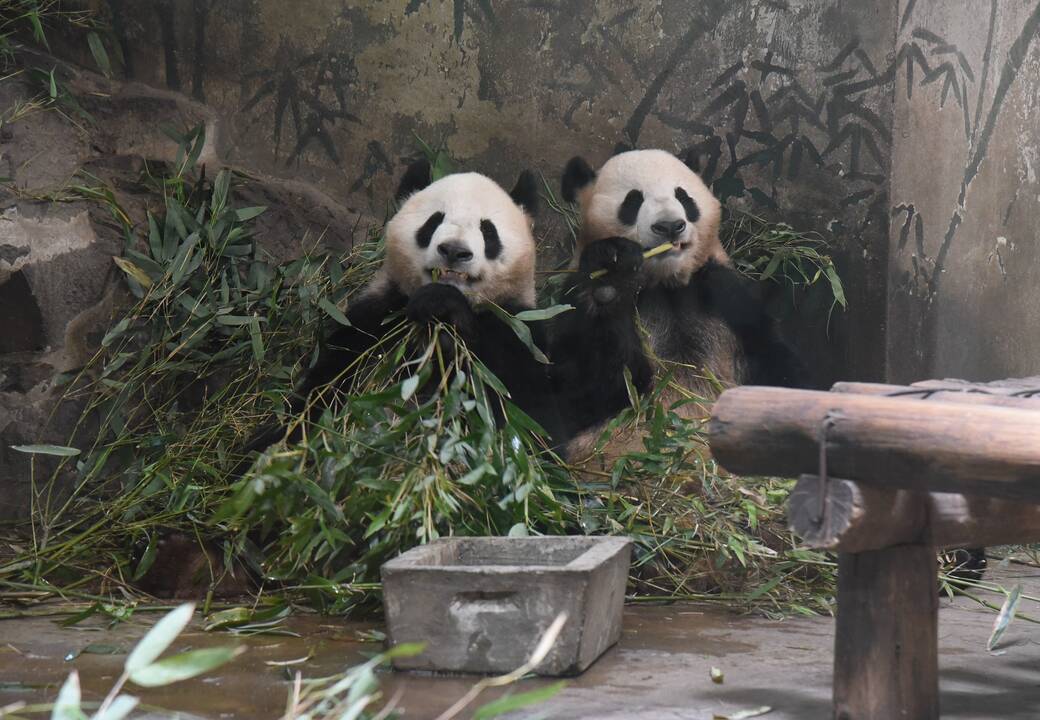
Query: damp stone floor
point(661, 669)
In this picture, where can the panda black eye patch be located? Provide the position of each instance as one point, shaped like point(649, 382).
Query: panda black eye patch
point(688, 205)
point(629, 210)
point(492, 244)
point(424, 234)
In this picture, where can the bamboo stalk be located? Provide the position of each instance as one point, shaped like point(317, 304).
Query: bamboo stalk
point(596, 274)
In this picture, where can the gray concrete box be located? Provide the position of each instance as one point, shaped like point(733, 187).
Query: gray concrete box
point(482, 604)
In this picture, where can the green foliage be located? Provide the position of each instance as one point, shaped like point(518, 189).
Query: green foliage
point(143, 668)
point(212, 347)
point(776, 252)
point(438, 157)
point(28, 22)
point(413, 453)
point(353, 693)
point(31, 20)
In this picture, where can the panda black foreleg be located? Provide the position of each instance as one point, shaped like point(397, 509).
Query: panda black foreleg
point(445, 303)
point(346, 343)
point(496, 345)
point(596, 342)
point(726, 294)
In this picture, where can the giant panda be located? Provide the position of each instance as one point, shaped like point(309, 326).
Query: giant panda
point(700, 314)
point(702, 321)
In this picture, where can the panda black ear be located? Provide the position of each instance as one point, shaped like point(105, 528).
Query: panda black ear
point(416, 177)
point(525, 193)
point(691, 159)
point(576, 175)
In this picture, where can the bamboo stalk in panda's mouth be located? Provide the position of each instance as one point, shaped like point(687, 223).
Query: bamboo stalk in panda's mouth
point(596, 274)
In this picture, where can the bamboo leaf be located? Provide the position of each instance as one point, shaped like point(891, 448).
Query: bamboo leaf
point(522, 331)
point(133, 271)
point(122, 706)
point(66, 707)
point(404, 650)
point(509, 703)
point(333, 312)
point(155, 244)
point(244, 214)
point(180, 264)
point(774, 263)
point(234, 320)
point(118, 329)
point(1004, 618)
point(59, 450)
point(220, 192)
point(409, 386)
point(256, 339)
point(97, 49)
point(37, 27)
point(542, 313)
point(836, 287)
point(196, 147)
point(146, 559)
point(160, 637)
point(183, 666)
point(518, 530)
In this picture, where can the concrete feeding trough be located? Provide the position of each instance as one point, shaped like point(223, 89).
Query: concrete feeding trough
point(482, 604)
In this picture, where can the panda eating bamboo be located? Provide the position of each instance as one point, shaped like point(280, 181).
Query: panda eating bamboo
point(701, 315)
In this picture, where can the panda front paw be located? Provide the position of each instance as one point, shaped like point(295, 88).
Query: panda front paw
point(611, 267)
point(439, 302)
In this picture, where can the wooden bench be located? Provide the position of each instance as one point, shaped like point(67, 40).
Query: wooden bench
point(888, 475)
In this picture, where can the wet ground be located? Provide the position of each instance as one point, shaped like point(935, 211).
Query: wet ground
point(660, 670)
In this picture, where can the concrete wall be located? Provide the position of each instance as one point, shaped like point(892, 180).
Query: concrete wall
point(780, 95)
point(965, 262)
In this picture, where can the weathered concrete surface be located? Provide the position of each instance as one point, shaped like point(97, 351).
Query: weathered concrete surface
point(483, 604)
point(965, 262)
point(660, 670)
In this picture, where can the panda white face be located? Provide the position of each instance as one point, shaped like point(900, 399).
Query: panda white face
point(653, 198)
point(464, 230)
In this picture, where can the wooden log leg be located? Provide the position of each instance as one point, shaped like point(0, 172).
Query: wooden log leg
point(886, 664)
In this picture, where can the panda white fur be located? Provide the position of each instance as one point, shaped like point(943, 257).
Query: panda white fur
point(701, 316)
point(463, 241)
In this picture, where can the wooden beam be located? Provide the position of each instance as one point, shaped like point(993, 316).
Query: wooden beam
point(886, 657)
point(895, 442)
point(1011, 386)
point(848, 516)
point(982, 395)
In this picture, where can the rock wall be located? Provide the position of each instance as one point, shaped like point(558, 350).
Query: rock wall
point(965, 261)
point(59, 289)
point(779, 96)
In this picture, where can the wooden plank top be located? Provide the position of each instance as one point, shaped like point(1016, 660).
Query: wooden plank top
point(1022, 393)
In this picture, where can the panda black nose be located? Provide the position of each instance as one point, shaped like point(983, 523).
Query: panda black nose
point(669, 228)
point(455, 252)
